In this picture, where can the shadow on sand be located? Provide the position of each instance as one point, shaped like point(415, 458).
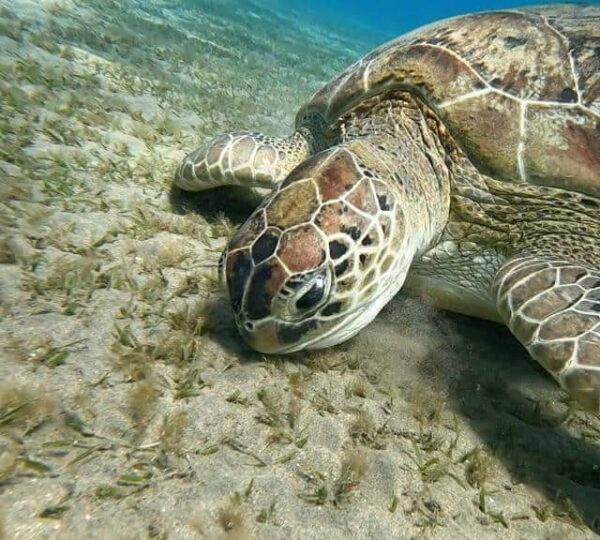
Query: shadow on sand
point(507, 398)
point(234, 202)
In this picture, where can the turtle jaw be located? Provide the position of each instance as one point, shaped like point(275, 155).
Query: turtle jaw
point(275, 336)
point(354, 321)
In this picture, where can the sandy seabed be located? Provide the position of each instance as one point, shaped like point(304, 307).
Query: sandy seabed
point(129, 407)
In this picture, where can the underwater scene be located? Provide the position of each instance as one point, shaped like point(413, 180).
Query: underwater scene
point(253, 286)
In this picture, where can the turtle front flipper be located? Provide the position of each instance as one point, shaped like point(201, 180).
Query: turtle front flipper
point(242, 158)
point(553, 307)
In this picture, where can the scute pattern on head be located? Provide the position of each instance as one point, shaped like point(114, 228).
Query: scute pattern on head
point(532, 74)
point(337, 176)
point(292, 204)
point(315, 239)
point(301, 249)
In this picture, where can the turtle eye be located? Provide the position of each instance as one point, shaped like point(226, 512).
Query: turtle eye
point(313, 296)
point(303, 294)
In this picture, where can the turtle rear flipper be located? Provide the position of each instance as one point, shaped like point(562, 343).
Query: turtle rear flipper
point(553, 307)
point(241, 158)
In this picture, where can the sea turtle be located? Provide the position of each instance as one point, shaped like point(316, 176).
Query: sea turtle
point(461, 160)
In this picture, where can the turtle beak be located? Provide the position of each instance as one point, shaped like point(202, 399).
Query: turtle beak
point(262, 337)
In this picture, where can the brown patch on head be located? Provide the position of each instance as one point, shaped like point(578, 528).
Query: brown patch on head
point(265, 245)
point(238, 269)
point(385, 200)
point(293, 205)
point(337, 176)
point(329, 219)
point(562, 149)
point(249, 231)
point(292, 333)
point(365, 259)
point(385, 224)
point(344, 268)
point(337, 217)
point(362, 197)
point(346, 284)
point(306, 169)
point(301, 249)
point(372, 238)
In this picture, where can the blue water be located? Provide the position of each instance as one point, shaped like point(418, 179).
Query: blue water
point(390, 18)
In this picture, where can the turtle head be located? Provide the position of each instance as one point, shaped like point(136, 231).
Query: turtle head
point(318, 259)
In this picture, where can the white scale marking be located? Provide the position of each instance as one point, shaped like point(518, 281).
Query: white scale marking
point(366, 84)
point(521, 145)
point(464, 97)
point(504, 93)
point(570, 54)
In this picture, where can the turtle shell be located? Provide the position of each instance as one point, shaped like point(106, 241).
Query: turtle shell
point(519, 90)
